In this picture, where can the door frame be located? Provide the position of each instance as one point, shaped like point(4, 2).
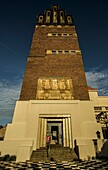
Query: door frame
point(67, 128)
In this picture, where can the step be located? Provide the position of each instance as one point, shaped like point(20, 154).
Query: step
point(56, 152)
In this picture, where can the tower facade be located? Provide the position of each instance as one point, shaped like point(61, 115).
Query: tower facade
point(54, 99)
point(54, 57)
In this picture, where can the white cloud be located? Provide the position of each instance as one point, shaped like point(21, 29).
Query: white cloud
point(9, 93)
point(97, 78)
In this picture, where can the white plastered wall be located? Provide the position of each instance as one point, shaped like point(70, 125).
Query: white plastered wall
point(103, 100)
point(21, 135)
point(98, 100)
point(93, 94)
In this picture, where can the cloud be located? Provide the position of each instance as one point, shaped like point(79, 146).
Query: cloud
point(98, 78)
point(9, 93)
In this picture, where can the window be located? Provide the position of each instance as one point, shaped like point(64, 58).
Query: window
point(55, 8)
point(66, 52)
point(62, 19)
point(60, 34)
point(48, 13)
point(73, 52)
point(48, 17)
point(60, 52)
point(65, 34)
point(53, 52)
point(54, 34)
point(69, 19)
point(62, 14)
point(97, 108)
point(41, 19)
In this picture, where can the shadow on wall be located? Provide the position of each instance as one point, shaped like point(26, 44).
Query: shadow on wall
point(76, 148)
point(104, 150)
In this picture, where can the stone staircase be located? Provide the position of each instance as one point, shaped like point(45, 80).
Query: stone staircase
point(56, 153)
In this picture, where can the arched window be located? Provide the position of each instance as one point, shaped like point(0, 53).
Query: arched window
point(55, 14)
point(48, 13)
point(55, 8)
point(69, 19)
point(61, 13)
point(62, 17)
point(40, 19)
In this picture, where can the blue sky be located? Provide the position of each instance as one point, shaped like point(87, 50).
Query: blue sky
point(17, 22)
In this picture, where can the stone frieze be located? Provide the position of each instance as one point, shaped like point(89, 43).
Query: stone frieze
point(54, 89)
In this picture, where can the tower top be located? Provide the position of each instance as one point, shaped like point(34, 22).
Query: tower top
point(54, 16)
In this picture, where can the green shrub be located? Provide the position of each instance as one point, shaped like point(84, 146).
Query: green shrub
point(1, 158)
point(12, 158)
point(6, 157)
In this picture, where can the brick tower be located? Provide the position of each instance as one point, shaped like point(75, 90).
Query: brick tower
point(54, 99)
point(55, 56)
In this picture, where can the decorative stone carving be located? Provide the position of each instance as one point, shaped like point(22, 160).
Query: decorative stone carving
point(62, 84)
point(40, 86)
point(68, 84)
point(40, 94)
point(54, 84)
point(54, 89)
point(46, 84)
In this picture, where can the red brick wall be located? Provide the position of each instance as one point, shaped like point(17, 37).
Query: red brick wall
point(41, 65)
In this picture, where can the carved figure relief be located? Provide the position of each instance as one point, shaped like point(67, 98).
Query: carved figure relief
point(54, 84)
point(54, 89)
point(62, 85)
point(46, 84)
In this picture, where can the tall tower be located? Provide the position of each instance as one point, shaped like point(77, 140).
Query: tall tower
point(54, 99)
point(55, 60)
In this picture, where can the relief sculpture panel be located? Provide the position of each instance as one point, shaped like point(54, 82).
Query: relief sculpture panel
point(54, 89)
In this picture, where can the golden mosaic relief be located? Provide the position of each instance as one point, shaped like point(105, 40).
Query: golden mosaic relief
point(54, 89)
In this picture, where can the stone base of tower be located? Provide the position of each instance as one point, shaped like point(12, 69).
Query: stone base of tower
point(71, 123)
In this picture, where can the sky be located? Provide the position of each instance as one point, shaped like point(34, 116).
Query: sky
point(17, 23)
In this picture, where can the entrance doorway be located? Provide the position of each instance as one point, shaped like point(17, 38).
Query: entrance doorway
point(58, 127)
point(55, 130)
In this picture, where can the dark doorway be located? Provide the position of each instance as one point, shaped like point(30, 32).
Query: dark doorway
point(54, 131)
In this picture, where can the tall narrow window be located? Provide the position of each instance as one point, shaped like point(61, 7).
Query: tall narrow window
point(48, 16)
point(62, 17)
point(55, 8)
point(48, 13)
point(55, 14)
